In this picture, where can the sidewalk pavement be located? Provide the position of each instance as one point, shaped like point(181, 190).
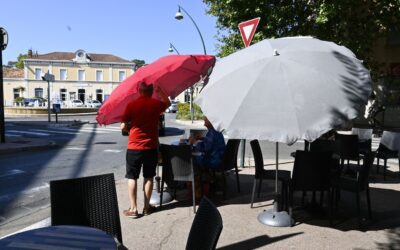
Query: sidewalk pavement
point(169, 228)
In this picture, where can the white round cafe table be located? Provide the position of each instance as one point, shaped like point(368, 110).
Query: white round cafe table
point(391, 140)
point(60, 237)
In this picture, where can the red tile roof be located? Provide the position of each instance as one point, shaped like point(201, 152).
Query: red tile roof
point(69, 56)
point(13, 73)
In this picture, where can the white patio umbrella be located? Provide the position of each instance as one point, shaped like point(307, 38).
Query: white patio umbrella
point(285, 89)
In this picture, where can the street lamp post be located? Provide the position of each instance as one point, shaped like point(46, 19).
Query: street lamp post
point(48, 78)
point(3, 45)
point(179, 16)
point(172, 48)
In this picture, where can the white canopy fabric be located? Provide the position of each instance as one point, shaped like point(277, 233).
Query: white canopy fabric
point(285, 89)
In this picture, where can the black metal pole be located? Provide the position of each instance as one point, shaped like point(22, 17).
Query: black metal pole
point(48, 100)
point(2, 127)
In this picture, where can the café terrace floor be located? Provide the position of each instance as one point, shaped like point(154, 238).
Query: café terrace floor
point(169, 228)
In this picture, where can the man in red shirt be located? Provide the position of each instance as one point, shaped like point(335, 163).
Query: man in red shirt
point(142, 116)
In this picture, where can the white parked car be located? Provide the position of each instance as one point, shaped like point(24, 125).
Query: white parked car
point(93, 104)
point(173, 108)
point(76, 103)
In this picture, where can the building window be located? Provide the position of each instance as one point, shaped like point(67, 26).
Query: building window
point(121, 76)
point(16, 92)
point(81, 75)
point(63, 94)
point(99, 95)
point(38, 74)
point(38, 92)
point(63, 74)
point(99, 75)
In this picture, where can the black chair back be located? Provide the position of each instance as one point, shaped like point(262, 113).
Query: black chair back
point(206, 227)
point(311, 171)
point(323, 145)
point(87, 201)
point(230, 154)
point(179, 157)
point(258, 158)
point(348, 146)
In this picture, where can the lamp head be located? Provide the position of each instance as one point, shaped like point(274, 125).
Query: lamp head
point(4, 38)
point(178, 15)
point(170, 49)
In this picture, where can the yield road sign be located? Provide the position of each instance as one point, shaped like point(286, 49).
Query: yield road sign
point(247, 30)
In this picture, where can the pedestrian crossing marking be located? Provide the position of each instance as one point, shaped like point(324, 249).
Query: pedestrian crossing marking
point(75, 148)
point(55, 131)
point(112, 150)
point(29, 133)
point(12, 135)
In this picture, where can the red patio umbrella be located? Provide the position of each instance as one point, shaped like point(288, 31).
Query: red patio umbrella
point(173, 74)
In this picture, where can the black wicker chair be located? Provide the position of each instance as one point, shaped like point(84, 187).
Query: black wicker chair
point(385, 153)
point(312, 172)
point(229, 162)
point(206, 227)
point(356, 185)
point(87, 201)
point(178, 158)
point(261, 173)
point(348, 148)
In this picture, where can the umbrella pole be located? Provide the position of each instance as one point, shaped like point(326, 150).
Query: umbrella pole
point(276, 168)
point(273, 217)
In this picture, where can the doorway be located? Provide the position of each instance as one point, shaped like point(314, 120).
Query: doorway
point(81, 95)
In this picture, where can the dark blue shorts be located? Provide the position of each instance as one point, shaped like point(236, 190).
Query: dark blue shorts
point(136, 158)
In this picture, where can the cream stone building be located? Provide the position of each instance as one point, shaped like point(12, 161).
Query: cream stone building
point(80, 75)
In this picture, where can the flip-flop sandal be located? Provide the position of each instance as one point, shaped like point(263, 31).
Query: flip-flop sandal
point(149, 211)
point(131, 214)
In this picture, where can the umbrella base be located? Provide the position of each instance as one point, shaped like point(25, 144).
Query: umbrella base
point(275, 219)
point(155, 198)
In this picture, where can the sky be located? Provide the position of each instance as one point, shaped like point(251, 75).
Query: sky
point(130, 29)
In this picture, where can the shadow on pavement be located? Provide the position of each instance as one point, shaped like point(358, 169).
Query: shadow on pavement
point(35, 164)
point(257, 242)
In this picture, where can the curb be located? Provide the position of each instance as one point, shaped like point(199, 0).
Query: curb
point(9, 150)
point(196, 123)
point(71, 124)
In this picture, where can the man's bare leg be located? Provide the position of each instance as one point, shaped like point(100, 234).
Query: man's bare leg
point(132, 191)
point(148, 189)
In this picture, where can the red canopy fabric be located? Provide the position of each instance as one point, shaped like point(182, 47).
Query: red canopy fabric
point(173, 74)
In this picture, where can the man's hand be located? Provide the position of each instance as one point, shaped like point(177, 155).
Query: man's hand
point(124, 127)
point(164, 98)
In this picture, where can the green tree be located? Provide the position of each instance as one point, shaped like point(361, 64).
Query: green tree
point(356, 24)
point(139, 63)
point(20, 63)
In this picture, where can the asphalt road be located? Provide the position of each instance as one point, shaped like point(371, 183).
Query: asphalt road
point(83, 150)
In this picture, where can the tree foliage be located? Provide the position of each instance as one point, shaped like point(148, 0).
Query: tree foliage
point(139, 63)
point(356, 24)
point(20, 63)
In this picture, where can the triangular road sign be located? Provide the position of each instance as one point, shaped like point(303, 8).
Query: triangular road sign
point(247, 30)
